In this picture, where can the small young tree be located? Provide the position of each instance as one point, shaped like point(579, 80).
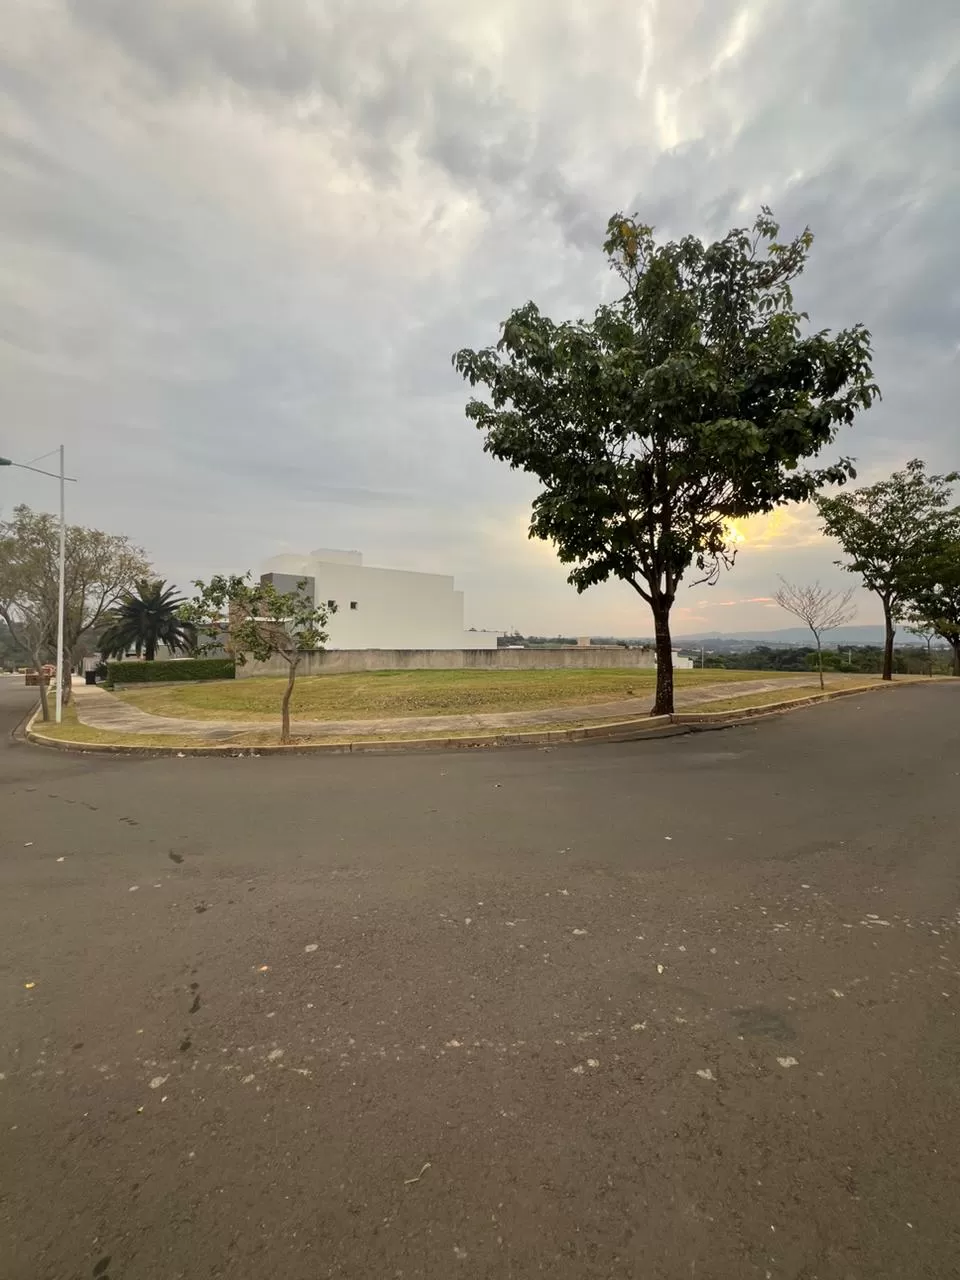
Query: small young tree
point(691, 402)
point(888, 531)
point(820, 609)
point(255, 619)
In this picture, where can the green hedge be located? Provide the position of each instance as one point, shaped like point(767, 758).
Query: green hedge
point(188, 669)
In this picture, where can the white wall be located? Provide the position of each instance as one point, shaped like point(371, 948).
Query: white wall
point(383, 608)
point(339, 661)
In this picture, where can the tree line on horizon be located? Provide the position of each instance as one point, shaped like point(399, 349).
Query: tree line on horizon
point(851, 659)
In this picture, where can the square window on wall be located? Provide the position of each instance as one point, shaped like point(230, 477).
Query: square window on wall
point(331, 604)
point(353, 604)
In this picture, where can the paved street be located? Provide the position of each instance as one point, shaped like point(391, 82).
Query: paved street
point(677, 1009)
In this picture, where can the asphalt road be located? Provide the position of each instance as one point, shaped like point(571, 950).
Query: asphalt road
point(684, 1008)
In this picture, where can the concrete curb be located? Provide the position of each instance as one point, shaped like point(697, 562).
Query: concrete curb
point(20, 731)
point(622, 731)
point(649, 727)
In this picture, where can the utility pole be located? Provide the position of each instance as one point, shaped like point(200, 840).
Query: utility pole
point(60, 596)
point(24, 466)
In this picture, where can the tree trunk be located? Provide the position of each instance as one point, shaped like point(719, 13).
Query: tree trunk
point(37, 660)
point(44, 700)
point(956, 656)
point(151, 651)
point(285, 705)
point(820, 664)
point(890, 632)
point(66, 676)
point(663, 706)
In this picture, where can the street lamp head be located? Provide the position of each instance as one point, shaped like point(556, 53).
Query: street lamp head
point(25, 466)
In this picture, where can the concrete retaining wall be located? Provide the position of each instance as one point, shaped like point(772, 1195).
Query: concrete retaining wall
point(338, 661)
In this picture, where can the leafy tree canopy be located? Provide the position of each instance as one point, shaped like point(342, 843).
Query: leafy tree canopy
point(691, 401)
point(100, 567)
point(935, 596)
point(891, 532)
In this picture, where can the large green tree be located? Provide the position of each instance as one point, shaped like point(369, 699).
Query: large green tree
point(691, 401)
point(935, 596)
point(99, 568)
point(146, 617)
point(889, 533)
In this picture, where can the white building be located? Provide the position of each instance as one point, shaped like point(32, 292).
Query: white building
point(380, 608)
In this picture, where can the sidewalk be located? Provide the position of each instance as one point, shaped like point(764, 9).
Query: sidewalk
point(102, 710)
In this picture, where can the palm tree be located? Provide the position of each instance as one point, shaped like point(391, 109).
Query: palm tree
point(146, 617)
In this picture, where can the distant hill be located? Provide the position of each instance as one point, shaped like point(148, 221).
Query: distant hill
point(799, 635)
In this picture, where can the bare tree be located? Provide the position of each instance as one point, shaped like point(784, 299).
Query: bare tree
point(820, 609)
point(926, 632)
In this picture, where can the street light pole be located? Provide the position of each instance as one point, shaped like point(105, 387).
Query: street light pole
point(61, 592)
point(61, 596)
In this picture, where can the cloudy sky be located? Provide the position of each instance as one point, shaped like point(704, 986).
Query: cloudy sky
point(241, 239)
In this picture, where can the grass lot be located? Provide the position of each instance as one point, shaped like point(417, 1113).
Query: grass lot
point(384, 694)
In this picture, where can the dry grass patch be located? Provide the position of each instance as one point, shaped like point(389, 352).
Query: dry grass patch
point(390, 694)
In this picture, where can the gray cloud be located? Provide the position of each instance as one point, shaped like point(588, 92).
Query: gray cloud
point(243, 240)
